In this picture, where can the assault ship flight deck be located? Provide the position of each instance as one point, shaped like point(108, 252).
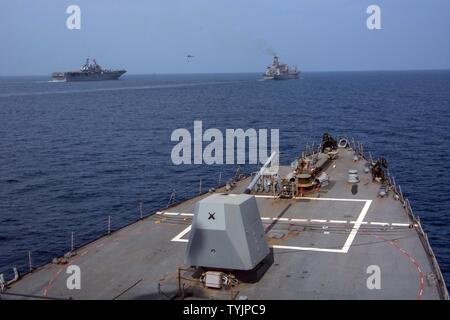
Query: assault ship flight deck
point(88, 72)
point(332, 225)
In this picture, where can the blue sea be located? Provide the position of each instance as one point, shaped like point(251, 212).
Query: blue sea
point(72, 154)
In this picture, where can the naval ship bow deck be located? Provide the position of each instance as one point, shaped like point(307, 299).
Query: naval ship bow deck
point(326, 244)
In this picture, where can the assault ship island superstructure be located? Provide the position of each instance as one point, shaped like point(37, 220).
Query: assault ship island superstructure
point(332, 225)
point(88, 72)
point(279, 71)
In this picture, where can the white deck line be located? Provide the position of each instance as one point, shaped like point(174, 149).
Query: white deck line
point(180, 240)
point(380, 223)
point(178, 237)
point(172, 213)
point(332, 199)
point(312, 198)
point(306, 249)
point(264, 196)
point(397, 224)
point(400, 224)
point(363, 222)
point(181, 234)
point(356, 226)
point(338, 221)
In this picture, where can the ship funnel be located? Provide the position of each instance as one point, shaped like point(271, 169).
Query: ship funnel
point(275, 61)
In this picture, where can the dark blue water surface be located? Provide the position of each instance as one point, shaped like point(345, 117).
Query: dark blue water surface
point(73, 153)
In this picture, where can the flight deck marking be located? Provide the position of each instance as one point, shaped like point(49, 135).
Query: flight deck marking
point(299, 220)
point(329, 199)
point(400, 224)
point(181, 234)
point(338, 221)
point(380, 223)
point(171, 213)
point(359, 221)
point(356, 225)
point(413, 262)
point(363, 222)
point(331, 221)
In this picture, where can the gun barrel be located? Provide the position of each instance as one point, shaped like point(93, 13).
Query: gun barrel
point(260, 173)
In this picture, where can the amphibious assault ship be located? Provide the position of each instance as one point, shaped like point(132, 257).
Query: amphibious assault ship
point(279, 71)
point(331, 225)
point(88, 72)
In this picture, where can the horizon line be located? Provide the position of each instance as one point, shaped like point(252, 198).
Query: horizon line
point(245, 72)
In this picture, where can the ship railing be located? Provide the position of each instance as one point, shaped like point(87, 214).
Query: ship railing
point(391, 182)
point(112, 226)
point(396, 188)
point(359, 149)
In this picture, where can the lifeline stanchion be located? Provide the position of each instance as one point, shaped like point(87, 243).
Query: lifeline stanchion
point(29, 261)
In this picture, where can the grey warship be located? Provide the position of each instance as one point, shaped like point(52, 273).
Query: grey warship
point(88, 72)
point(319, 228)
point(280, 71)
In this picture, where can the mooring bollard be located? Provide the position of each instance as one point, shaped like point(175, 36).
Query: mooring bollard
point(200, 187)
point(141, 210)
point(109, 224)
point(72, 243)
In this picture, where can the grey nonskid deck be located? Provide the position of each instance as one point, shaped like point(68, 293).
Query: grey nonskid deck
point(323, 245)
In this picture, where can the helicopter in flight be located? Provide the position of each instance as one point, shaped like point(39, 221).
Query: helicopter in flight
point(189, 57)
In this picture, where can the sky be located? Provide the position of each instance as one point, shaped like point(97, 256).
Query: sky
point(154, 36)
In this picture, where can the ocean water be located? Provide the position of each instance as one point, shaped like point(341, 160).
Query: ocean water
point(72, 154)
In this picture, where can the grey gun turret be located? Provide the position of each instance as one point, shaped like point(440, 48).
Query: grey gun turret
point(227, 233)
